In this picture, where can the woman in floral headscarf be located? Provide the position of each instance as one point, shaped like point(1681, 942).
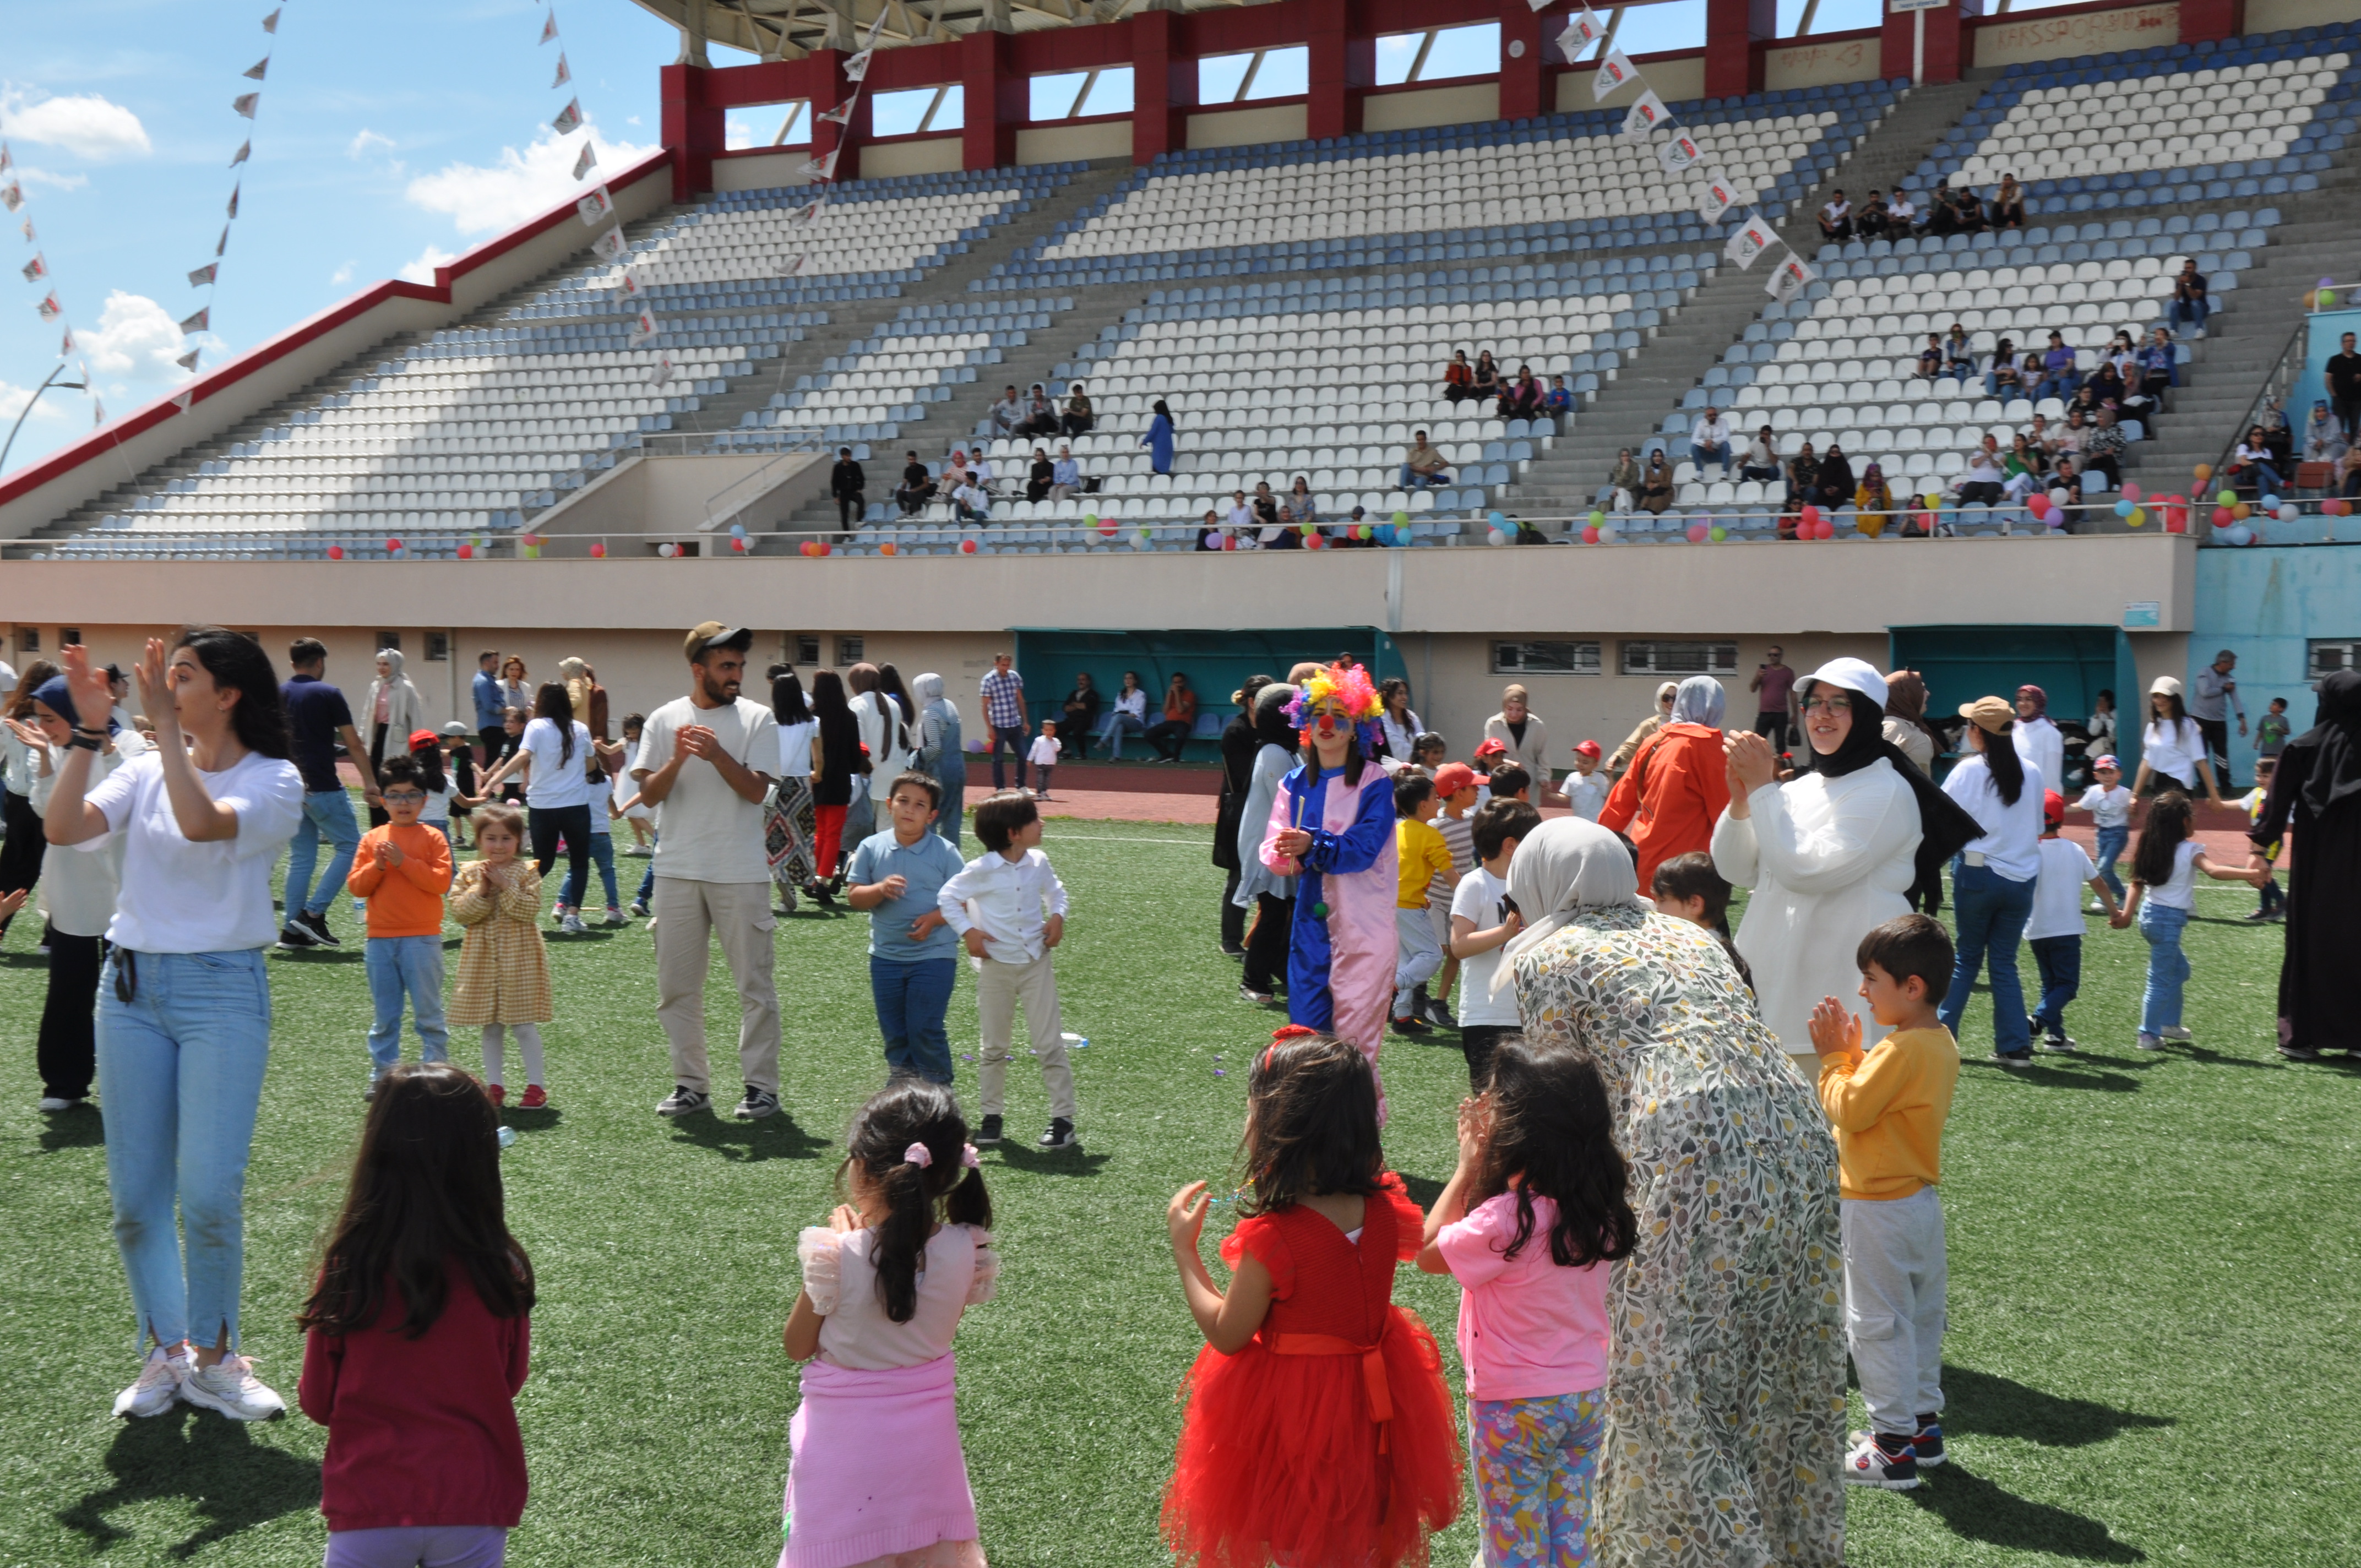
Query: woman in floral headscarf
point(1873, 497)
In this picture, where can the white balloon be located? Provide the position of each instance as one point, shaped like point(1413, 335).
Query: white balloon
point(1495, 537)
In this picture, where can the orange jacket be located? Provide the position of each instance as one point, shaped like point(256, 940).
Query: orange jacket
point(404, 900)
point(1676, 788)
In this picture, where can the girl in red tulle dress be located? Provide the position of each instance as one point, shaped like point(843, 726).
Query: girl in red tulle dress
point(1319, 1433)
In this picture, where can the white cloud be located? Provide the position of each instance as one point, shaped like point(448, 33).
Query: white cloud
point(343, 274)
point(741, 134)
point(423, 269)
point(520, 185)
point(630, 119)
point(14, 398)
point(32, 176)
point(360, 146)
point(85, 125)
point(136, 337)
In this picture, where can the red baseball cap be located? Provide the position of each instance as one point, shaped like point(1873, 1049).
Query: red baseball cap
point(1453, 777)
point(1586, 748)
point(423, 738)
point(1493, 749)
point(2053, 807)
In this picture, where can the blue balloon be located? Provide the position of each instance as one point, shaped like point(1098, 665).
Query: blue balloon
point(2270, 503)
point(737, 530)
point(1500, 521)
point(2123, 509)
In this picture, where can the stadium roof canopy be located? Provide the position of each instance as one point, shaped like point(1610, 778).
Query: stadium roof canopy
point(789, 29)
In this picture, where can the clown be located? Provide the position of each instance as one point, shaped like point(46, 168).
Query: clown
point(1332, 825)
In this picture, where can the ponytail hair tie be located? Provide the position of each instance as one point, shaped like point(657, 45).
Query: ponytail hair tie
point(918, 1155)
point(970, 1159)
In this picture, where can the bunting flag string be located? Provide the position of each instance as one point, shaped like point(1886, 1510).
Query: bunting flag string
point(596, 206)
point(37, 271)
point(247, 106)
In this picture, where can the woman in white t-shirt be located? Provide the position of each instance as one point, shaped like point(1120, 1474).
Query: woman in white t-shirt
point(1992, 880)
point(184, 1005)
point(554, 754)
point(2172, 749)
point(792, 818)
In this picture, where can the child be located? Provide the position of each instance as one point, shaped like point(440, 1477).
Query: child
point(1282, 1456)
point(401, 871)
point(418, 1334)
point(1455, 786)
point(1486, 757)
point(1423, 857)
point(2164, 869)
point(2110, 804)
point(1482, 921)
point(896, 876)
point(426, 751)
point(513, 723)
point(1535, 1212)
point(1586, 787)
point(457, 751)
point(1043, 756)
point(603, 812)
point(2273, 903)
point(997, 904)
point(2271, 731)
point(876, 1471)
point(2055, 929)
point(1888, 1106)
point(1511, 782)
point(1427, 751)
point(1687, 887)
point(503, 966)
point(627, 794)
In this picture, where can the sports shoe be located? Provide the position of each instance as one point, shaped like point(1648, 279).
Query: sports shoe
point(987, 1132)
point(1259, 998)
point(1439, 1015)
point(2299, 1053)
point(158, 1387)
point(571, 925)
point(2013, 1059)
point(2056, 1043)
point(53, 1103)
point(496, 1093)
point(1060, 1135)
point(295, 936)
point(318, 925)
point(2175, 1032)
point(535, 1097)
point(1928, 1443)
point(2256, 916)
point(758, 1103)
point(2148, 1043)
point(1234, 953)
point(614, 915)
point(684, 1102)
point(639, 909)
point(1880, 1460)
point(1409, 1026)
point(230, 1386)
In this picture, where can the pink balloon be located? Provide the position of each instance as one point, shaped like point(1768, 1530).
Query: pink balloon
point(1589, 535)
point(1696, 533)
point(2131, 489)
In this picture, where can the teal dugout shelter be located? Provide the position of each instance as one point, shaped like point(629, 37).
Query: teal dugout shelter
point(2071, 663)
point(1215, 662)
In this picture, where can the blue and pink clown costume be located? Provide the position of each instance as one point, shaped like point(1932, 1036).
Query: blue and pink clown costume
point(1340, 964)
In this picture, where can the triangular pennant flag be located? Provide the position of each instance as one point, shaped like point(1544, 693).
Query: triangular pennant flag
point(188, 361)
point(1753, 237)
point(202, 322)
point(1789, 278)
point(876, 26)
point(569, 118)
point(49, 308)
point(232, 198)
point(611, 246)
point(565, 72)
point(1718, 197)
point(27, 231)
point(205, 276)
point(804, 213)
point(644, 328)
point(842, 114)
point(223, 248)
point(97, 413)
point(595, 206)
point(821, 168)
point(12, 196)
point(662, 372)
point(257, 71)
point(1615, 71)
point(630, 285)
point(1587, 28)
point(244, 152)
point(67, 347)
point(1646, 114)
point(793, 266)
point(588, 161)
point(181, 401)
point(7, 158)
point(270, 23)
point(1679, 153)
point(35, 269)
point(549, 27)
point(858, 66)
point(244, 102)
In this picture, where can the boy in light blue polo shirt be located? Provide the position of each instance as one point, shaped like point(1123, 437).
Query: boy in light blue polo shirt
point(913, 952)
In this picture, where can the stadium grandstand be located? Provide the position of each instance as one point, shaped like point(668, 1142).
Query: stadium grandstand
point(1290, 277)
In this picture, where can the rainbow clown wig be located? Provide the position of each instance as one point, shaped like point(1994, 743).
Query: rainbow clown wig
point(1347, 686)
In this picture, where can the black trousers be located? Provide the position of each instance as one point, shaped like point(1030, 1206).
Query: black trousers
point(377, 814)
point(1479, 1040)
point(2216, 732)
point(546, 824)
point(1774, 727)
point(494, 739)
point(849, 509)
point(1266, 943)
point(21, 851)
point(67, 1053)
point(1168, 736)
point(1234, 915)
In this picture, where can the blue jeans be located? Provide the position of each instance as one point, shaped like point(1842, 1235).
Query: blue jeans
point(179, 1077)
point(2059, 387)
point(2059, 960)
point(411, 967)
point(1702, 453)
point(328, 813)
point(1115, 728)
point(1012, 736)
point(1413, 480)
point(648, 882)
point(1990, 913)
point(912, 999)
point(602, 855)
point(2112, 843)
point(2168, 966)
point(2191, 312)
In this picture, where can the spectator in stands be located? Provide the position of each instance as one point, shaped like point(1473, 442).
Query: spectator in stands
point(1557, 402)
point(2251, 467)
point(1158, 439)
point(2104, 389)
point(2276, 434)
point(1656, 485)
point(1039, 477)
point(2003, 381)
point(2057, 370)
point(1624, 476)
point(1300, 501)
point(1424, 465)
point(1901, 214)
point(980, 468)
point(1802, 476)
point(2068, 439)
point(1041, 414)
point(1179, 720)
point(2190, 302)
point(1523, 400)
point(1762, 463)
point(845, 484)
point(1209, 532)
point(1835, 219)
point(1240, 520)
point(2008, 204)
point(917, 486)
point(1930, 358)
point(2102, 449)
point(2347, 480)
point(956, 475)
point(2322, 441)
point(1128, 716)
point(1709, 440)
point(2067, 477)
point(1873, 499)
point(2157, 359)
point(1458, 377)
point(972, 502)
point(1958, 354)
point(1834, 483)
point(1873, 220)
point(1487, 384)
point(1008, 413)
point(1078, 715)
point(1065, 475)
point(1985, 478)
point(2139, 399)
point(2343, 374)
point(1079, 416)
point(1288, 533)
point(1265, 507)
point(1942, 212)
point(2023, 457)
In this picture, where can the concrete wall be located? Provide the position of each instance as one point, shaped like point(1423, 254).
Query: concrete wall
point(926, 155)
point(2266, 605)
point(1461, 105)
point(1244, 127)
point(659, 498)
point(762, 171)
point(1062, 144)
point(1822, 64)
point(1674, 81)
point(2009, 40)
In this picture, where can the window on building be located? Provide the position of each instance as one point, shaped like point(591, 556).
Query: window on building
point(1653, 30)
point(2330, 655)
point(917, 110)
point(1680, 658)
point(69, 635)
point(1799, 18)
point(1074, 94)
point(795, 127)
point(1264, 74)
point(438, 647)
point(390, 639)
point(28, 639)
point(848, 651)
point(1545, 658)
point(806, 648)
point(1438, 53)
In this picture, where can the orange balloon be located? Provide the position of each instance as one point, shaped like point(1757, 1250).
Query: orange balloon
point(2204, 471)
point(2242, 511)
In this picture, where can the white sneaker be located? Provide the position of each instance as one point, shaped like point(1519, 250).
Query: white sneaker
point(2150, 1042)
point(158, 1388)
point(2175, 1032)
point(52, 1105)
point(230, 1386)
point(571, 925)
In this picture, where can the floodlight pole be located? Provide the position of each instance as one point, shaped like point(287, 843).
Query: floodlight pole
point(61, 386)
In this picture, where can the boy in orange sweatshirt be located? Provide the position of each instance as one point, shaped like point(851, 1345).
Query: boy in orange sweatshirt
point(1888, 1106)
point(401, 871)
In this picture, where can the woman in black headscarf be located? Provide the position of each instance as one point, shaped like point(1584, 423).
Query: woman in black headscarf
point(1239, 744)
point(1835, 480)
point(2316, 793)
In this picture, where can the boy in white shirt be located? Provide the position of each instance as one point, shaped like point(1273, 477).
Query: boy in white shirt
point(1044, 754)
point(2054, 931)
point(2111, 805)
point(1586, 787)
point(1455, 786)
point(1009, 908)
point(1481, 924)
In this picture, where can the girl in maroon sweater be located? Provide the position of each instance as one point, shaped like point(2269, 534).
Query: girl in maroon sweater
point(418, 1337)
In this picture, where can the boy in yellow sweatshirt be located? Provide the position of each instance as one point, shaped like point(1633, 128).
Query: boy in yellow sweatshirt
point(1888, 1105)
point(1424, 856)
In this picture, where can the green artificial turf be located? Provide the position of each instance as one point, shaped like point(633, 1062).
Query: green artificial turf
point(2152, 1265)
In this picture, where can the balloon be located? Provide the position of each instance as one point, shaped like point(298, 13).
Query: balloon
point(1309, 530)
point(2204, 471)
point(967, 547)
point(2136, 516)
point(667, 550)
point(1498, 519)
point(1716, 533)
point(1698, 532)
point(825, 548)
point(2131, 489)
point(1590, 533)
point(1596, 517)
point(2059, 498)
point(2227, 497)
point(1314, 540)
point(1934, 498)
point(2224, 517)
point(2242, 534)
point(888, 548)
point(1364, 530)
point(1229, 541)
point(2289, 512)
point(737, 530)
point(2123, 509)
point(598, 550)
point(336, 552)
point(1827, 528)
point(2176, 521)
point(467, 552)
point(2326, 298)
point(1494, 537)
point(1402, 519)
point(1606, 535)
point(1811, 516)
point(2242, 511)
point(2270, 503)
point(2336, 507)
point(2038, 504)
